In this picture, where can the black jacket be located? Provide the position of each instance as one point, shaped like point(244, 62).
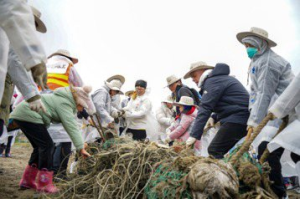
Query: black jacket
point(223, 95)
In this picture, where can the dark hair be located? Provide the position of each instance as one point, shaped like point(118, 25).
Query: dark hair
point(141, 83)
point(187, 108)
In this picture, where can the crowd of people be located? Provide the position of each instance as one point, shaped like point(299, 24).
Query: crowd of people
point(53, 103)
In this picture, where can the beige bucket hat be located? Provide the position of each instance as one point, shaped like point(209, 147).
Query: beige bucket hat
point(129, 93)
point(171, 80)
point(39, 24)
point(65, 53)
point(115, 85)
point(118, 77)
point(185, 101)
point(168, 99)
point(258, 32)
point(197, 66)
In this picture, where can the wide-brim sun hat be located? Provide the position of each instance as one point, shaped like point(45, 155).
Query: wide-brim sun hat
point(172, 79)
point(65, 53)
point(115, 85)
point(185, 101)
point(119, 77)
point(168, 99)
point(129, 93)
point(39, 24)
point(197, 66)
point(258, 32)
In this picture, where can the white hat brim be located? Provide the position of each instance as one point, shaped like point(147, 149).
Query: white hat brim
point(113, 88)
point(172, 82)
point(40, 26)
point(129, 92)
point(240, 36)
point(166, 101)
point(73, 59)
point(119, 77)
point(178, 104)
point(188, 74)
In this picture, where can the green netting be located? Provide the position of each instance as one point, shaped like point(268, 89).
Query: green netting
point(167, 183)
point(245, 158)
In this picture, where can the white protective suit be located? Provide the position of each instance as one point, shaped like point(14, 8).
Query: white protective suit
point(103, 105)
point(139, 115)
point(17, 26)
point(20, 76)
point(164, 117)
point(270, 74)
point(288, 104)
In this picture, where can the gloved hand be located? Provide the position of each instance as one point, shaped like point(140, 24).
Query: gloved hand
point(210, 123)
point(168, 140)
point(36, 104)
point(168, 132)
point(190, 141)
point(250, 127)
point(39, 74)
point(114, 114)
point(111, 125)
point(121, 113)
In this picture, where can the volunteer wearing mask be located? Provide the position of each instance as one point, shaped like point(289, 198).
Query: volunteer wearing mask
point(270, 74)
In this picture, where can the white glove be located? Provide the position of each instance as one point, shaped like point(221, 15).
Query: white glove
point(168, 140)
point(168, 132)
point(210, 123)
point(121, 113)
point(114, 114)
point(37, 106)
point(190, 141)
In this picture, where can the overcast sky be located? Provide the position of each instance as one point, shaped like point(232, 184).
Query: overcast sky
point(154, 39)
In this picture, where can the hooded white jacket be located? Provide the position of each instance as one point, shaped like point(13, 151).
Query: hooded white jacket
point(164, 116)
point(103, 105)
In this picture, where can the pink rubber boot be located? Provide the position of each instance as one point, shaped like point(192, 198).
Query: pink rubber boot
point(45, 182)
point(28, 178)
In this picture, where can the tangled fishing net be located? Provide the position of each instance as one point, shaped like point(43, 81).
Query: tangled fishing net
point(123, 168)
point(119, 168)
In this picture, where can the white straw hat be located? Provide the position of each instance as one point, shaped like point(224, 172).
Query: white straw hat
point(197, 66)
point(129, 93)
point(64, 53)
point(39, 24)
point(114, 85)
point(185, 101)
point(172, 79)
point(118, 77)
point(168, 99)
point(258, 32)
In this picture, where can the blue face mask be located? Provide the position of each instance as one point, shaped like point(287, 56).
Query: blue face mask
point(251, 52)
